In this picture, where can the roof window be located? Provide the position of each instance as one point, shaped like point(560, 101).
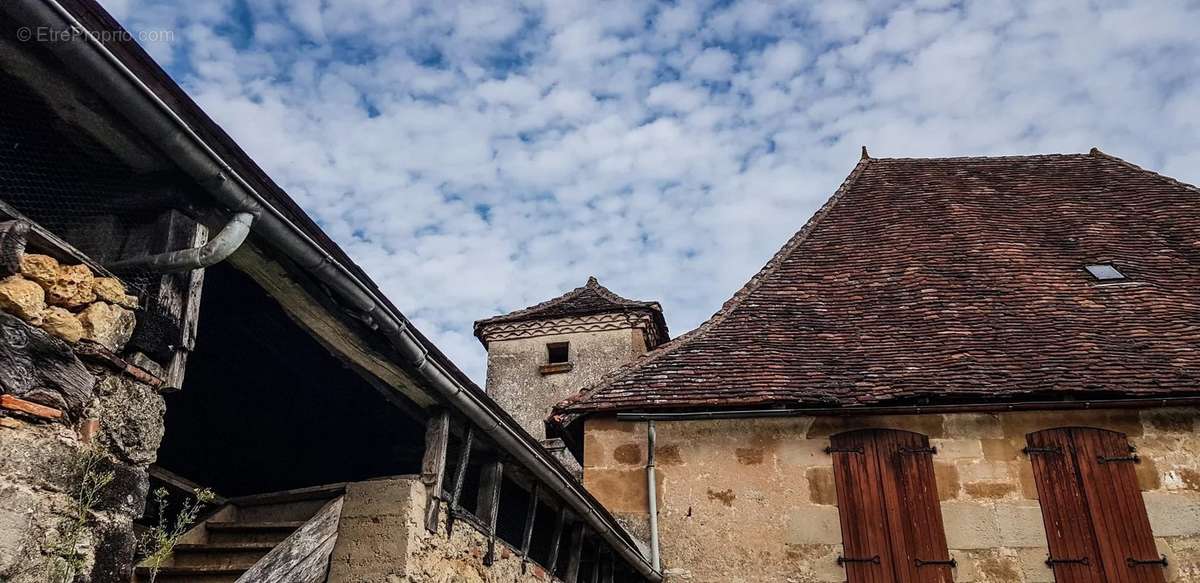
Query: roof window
point(1105, 272)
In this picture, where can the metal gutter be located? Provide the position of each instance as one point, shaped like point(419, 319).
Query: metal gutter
point(652, 495)
point(128, 94)
point(216, 250)
point(911, 409)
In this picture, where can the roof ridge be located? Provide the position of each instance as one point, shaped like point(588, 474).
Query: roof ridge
point(593, 285)
point(730, 305)
point(964, 158)
point(1097, 153)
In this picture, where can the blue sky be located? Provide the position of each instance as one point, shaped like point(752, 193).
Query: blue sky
point(477, 157)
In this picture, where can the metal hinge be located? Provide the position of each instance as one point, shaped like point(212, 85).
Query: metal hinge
point(1106, 459)
point(844, 560)
point(843, 450)
point(912, 450)
point(1045, 450)
point(1050, 562)
point(953, 563)
point(1132, 562)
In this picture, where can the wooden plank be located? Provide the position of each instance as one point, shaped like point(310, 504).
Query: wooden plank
point(576, 553)
point(867, 555)
point(460, 476)
point(37, 367)
point(556, 540)
point(29, 408)
point(50, 244)
point(1069, 529)
point(13, 236)
point(915, 529)
point(180, 483)
point(433, 465)
point(530, 518)
point(303, 557)
point(488, 506)
point(323, 491)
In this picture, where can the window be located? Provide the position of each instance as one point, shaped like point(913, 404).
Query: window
point(1104, 272)
point(1092, 507)
point(559, 352)
point(888, 507)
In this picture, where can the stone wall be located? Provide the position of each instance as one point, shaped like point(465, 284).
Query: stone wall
point(515, 382)
point(382, 539)
point(753, 500)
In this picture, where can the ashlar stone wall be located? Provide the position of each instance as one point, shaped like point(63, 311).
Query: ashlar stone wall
point(753, 500)
point(382, 539)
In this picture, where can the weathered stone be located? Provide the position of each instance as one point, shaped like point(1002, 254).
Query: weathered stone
point(988, 490)
point(1173, 514)
point(1000, 449)
point(71, 288)
point(970, 525)
point(809, 525)
point(21, 297)
point(42, 269)
point(947, 480)
point(60, 323)
point(1020, 524)
point(820, 485)
point(107, 325)
point(131, 418)
point(111, 290)
point(41, 368)
point(961, 448)
point(1033, 565)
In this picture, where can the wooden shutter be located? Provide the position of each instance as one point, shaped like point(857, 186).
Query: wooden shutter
point(888, 507)
point(1091, 504)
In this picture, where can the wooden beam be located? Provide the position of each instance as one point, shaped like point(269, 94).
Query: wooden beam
point(433, 465)
point(13, 235)
point(609, 566)
point(303, 557)
point(556, 540)
point(596, 560)
point(488, 506)
point(576, 553)
point(46, 242)
point(530, 518)
point(460, 476)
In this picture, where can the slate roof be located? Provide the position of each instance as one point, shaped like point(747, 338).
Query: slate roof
point(950, 280)
point(591, 298)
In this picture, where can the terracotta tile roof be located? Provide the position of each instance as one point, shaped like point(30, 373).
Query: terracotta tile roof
point(591, 298)
point(952, 280)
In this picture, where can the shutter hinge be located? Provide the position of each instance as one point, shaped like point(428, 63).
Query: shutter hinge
point(1045, 450)
point(953, 563)
point(914, 450)
point(1051, 562)
point(832, 449)
point(1132, 562)
point(844, 560)
point(1105, 459)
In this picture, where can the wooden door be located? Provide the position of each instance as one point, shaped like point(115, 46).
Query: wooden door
point(1095, 518)
point(888, 507)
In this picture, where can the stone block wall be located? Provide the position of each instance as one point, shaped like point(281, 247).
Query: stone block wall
point(382, 539)
point(753, 500)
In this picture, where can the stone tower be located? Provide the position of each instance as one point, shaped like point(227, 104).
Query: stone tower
point(545, 353)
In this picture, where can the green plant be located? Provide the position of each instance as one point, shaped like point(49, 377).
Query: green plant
point(90, 480)
point(159, 542)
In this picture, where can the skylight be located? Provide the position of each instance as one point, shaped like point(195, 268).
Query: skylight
point(1105, 272)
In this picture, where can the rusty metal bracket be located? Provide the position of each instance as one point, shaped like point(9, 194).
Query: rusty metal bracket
point(832, 450)
point(844, 560)
point(1042, 450)
point(1051, 562)
point(1132, 562)
point(953, 563)
point(1105, 459)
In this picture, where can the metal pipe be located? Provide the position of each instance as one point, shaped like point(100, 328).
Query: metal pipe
point(216, 250)
point(652, 496)
point(126, 93)
point(910, 409)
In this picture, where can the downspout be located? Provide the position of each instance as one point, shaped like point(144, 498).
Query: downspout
point(89, 58)
point(652, 496)
point(216, 250)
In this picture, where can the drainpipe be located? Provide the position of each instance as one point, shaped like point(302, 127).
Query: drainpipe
point(216, 250)
point(128, 94)
point(652, 496)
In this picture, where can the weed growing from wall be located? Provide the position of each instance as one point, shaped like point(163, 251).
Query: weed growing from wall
point(160, 541)
point(89, 481)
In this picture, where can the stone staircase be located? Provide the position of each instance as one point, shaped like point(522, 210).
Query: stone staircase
point(239, 534)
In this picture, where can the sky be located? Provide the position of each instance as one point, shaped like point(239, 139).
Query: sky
point(478, 157)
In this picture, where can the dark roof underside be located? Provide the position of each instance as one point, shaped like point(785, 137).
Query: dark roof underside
point(951, 281)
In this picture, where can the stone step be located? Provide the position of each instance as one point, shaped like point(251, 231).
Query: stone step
point(226, 555)
point(297, 504)
point(250, 532)
point(190, 575)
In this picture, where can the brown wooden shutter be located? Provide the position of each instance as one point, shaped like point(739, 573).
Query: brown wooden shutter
point(1091, 504)
point(888, 507)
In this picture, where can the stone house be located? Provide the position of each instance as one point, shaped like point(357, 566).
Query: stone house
point(961, 369)
point(171, 321)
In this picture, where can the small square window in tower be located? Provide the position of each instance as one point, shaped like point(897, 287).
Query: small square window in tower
point(558, 352)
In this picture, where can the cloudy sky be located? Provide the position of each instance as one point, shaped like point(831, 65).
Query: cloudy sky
point(477, 157)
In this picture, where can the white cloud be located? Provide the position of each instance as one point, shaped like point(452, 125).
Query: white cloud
point(479, 156)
